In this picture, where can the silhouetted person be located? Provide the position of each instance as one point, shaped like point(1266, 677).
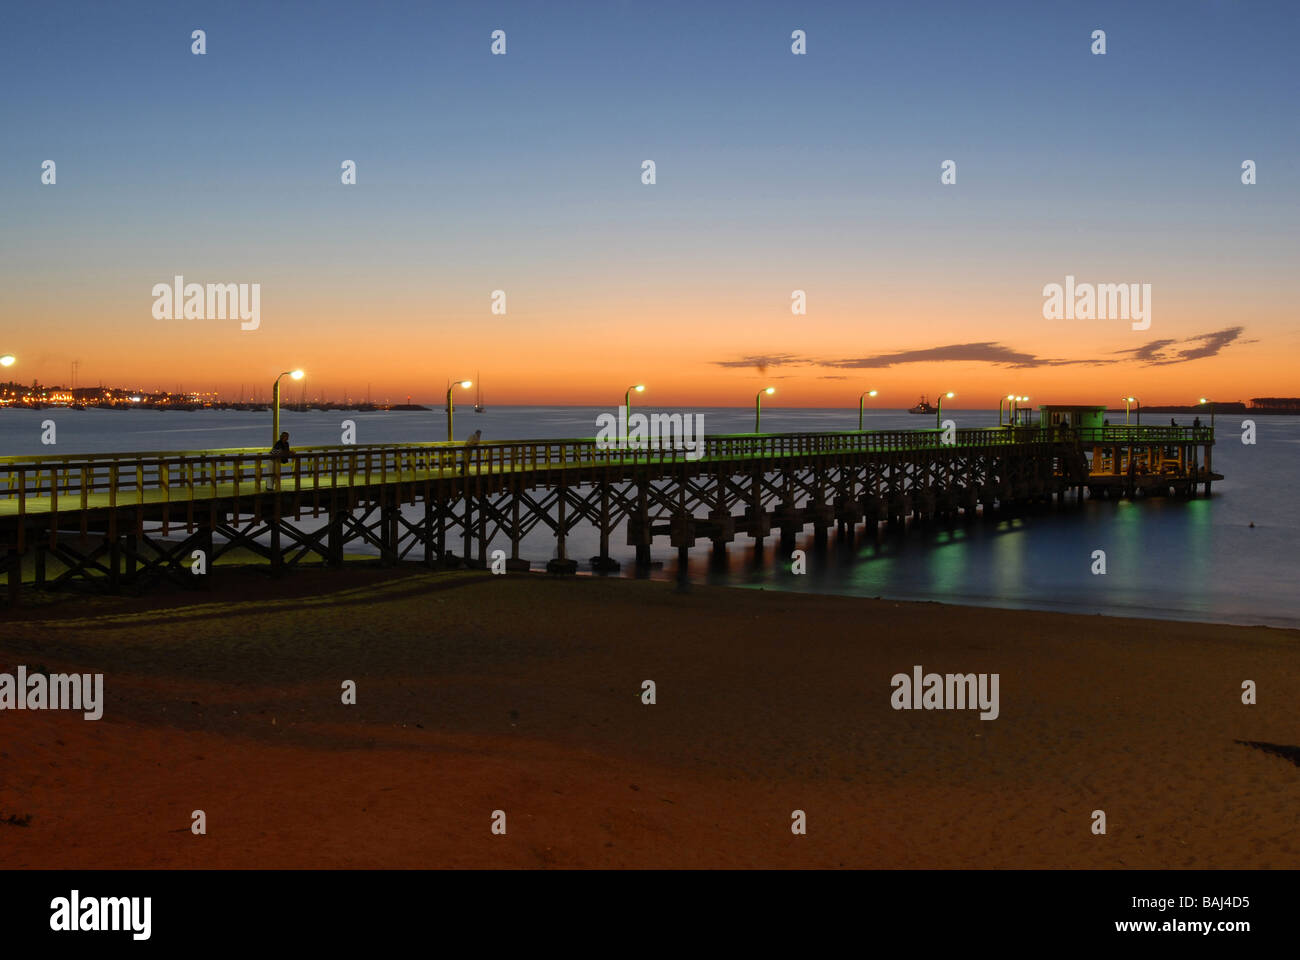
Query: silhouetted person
point(470, 443)
point(1196, 423)
point(1173, 422)
point(279, 454)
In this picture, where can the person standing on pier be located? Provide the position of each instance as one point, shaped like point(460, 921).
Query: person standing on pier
point(279, 454)
point(470, 443)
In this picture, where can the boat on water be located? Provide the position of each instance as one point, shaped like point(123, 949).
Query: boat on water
point(478, 397)
point(922, 406)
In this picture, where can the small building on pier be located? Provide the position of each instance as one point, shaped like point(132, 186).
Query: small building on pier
point(1072, 415)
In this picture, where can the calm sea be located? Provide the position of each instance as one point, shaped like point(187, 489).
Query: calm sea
point(1197, 560)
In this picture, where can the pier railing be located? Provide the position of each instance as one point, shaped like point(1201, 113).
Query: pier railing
point(1134, 434)
point(50, 483)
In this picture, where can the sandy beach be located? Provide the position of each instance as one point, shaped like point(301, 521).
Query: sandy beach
point(523, 694)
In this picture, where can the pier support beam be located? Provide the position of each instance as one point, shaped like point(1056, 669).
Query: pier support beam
point(277, 553)
point(114, 563)
point(469, 526)
point(334, 547)
point(205, 544)
point(515, 564)
point(482, 532)
point(638, 526)
point(603, 562)
point(426, 530)
point(560, 563)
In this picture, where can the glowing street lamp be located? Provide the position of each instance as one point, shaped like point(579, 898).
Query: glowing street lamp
point(1001, 403)
point(7, 360)
point(275, 403)
point(938, 412)
point(627, 398)
point(1127, 401)
point(1016, 408)
point(758, 404)
point(465, 384)
point(869, 393)
point(1211, 403)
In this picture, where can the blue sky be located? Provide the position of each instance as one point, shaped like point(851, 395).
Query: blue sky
point(472, 167)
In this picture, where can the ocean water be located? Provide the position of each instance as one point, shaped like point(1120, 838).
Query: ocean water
point(1166, 558)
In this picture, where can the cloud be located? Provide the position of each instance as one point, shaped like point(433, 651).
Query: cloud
point(1149, 352)
point(988, 351)
point(1159, 353)
point(762, 361)
point(1210, 344)
point(1152, 353)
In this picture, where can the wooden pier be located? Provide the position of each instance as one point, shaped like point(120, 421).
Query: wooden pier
point(133, 519)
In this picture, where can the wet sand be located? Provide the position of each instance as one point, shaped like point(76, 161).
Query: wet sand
point(522, 694)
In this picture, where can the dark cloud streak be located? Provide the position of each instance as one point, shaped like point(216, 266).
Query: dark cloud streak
point(1160, 353)
point(1153, 353)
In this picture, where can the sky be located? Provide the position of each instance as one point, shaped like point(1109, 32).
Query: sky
point(775, 172)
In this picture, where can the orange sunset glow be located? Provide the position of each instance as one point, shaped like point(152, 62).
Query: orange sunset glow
point(710, 350)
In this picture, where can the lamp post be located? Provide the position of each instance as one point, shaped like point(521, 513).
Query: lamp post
point(1019, 400)
point(1001, 403)
point(466, 384)
point(758, 404)
point(938, 412)
point(1211, 403)
point(627, 398)
point(275, 403)
point(1127, 401)
point(869, 393)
